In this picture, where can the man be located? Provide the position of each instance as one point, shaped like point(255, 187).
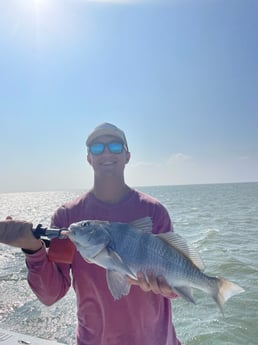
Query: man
point(144, 316)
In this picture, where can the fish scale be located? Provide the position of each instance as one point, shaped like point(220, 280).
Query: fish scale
point(140, 250)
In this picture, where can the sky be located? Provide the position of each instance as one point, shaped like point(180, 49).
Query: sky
point(180, 77)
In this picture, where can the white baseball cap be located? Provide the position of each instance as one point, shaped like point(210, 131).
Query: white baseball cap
point(106, 129)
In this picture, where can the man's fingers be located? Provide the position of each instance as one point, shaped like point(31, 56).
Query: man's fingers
point(153, 283)
point(165, 289)
point(143, 282)
point(150, 282)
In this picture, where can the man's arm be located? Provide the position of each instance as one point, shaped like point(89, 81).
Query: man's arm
point(48, 280)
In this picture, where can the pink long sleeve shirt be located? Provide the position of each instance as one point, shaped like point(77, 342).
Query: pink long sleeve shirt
point(141, 318)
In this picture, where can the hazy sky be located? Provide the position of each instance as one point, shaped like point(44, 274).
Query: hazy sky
point(179, 76)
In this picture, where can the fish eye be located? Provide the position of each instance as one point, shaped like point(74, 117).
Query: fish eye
point(85, 224)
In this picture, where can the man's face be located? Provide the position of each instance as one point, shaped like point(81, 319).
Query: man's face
point(107, 162)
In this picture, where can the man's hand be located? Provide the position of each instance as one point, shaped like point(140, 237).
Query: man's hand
point(18, 234)
point(158, 285)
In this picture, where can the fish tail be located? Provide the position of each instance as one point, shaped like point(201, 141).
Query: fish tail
point(224, 290)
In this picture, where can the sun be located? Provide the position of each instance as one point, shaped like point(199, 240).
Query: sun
point(44, 28)
point(32, 8)
point(39, 2)
point(36, 7)
point(37, 23)
point(41, 6)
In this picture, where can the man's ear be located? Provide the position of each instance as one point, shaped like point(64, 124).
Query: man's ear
point(89, 159)
point(128, 157)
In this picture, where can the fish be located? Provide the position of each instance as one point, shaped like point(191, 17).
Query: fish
point(124, 249)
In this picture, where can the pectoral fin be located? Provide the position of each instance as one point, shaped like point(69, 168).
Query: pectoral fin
point(110, 260)
point(117, 264)
point(117, 284)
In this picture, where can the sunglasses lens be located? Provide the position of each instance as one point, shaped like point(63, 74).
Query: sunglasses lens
point(115, 147)
point(97, 149)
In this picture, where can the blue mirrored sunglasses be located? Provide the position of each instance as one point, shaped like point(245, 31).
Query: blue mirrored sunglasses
point(99, 148)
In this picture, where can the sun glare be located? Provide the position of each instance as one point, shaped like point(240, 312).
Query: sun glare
point(35, 7)
point(39, 2)
point(42, 6)
point(40, 22)
point(45, 27)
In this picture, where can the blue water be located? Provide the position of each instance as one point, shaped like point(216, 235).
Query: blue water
point(220, 220)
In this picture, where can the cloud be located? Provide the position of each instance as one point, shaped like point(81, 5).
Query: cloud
point(181, 168)
point(174, 170)
point(178, 158)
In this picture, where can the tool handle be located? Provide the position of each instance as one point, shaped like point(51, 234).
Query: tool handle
point(45, 232)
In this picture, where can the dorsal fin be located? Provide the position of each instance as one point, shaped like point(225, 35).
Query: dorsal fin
point(144, 224)
point(180, 244)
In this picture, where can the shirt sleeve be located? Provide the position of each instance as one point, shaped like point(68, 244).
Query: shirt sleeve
point(161, 220)
point(49, 281)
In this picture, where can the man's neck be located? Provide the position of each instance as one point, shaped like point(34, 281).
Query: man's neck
point(110, 191)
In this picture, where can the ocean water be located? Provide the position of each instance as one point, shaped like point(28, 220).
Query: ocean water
point(220, 220)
